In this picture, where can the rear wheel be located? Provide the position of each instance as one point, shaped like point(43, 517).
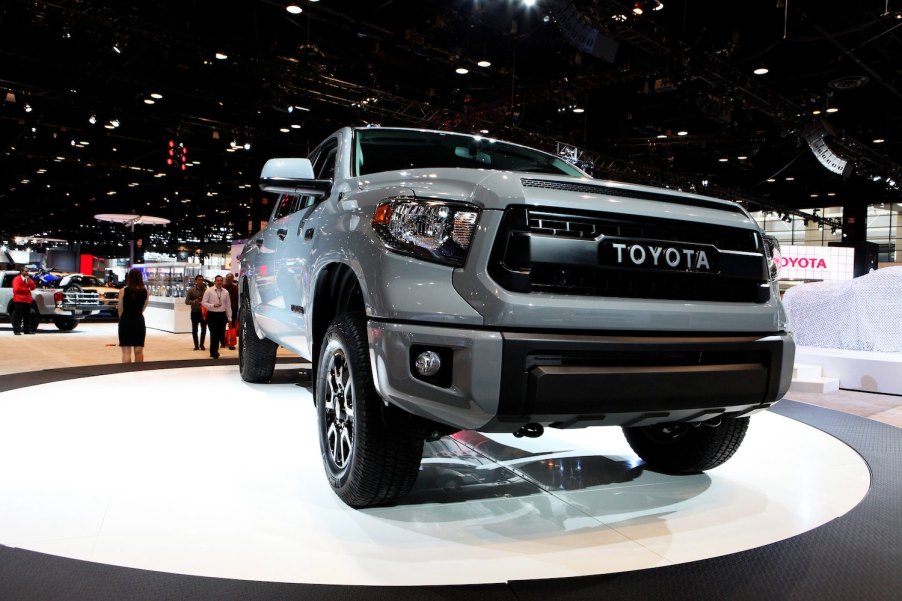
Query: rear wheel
point(256, 356)
point(371, 452)
point(65, 324)
point(681, 448)
point(35, 319)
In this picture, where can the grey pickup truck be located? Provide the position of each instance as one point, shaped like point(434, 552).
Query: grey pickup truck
point(441, 282)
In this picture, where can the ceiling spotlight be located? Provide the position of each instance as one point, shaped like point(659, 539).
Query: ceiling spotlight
point(760, 71)
point(295, 126)
point(27, 108)
point(221, 56)
point(576, 109)
point(149, 101)
point(741, 157)
point(461, 71)
point(662, 136)
point(682, 132)
point(483, 64)
point(290, 108)
point(637, 9)
point(816, 112)
point(116, 49)
point(879, 140)
point(247, 146)
point(771, 180)
point(294, 9)
point(156, 95)
point(114, 122)
point(284, 130)
point(722, 160)
point(832, 109)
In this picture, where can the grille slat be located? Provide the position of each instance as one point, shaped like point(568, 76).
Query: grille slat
point(520, 263)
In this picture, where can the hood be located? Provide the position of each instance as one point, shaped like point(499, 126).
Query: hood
point(496, 190)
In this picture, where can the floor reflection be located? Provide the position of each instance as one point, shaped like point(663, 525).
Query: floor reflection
point(469, 465)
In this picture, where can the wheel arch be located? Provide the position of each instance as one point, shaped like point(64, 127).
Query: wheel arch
point(338, 290)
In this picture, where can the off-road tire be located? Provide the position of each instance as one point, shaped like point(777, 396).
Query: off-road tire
point(256, 356)
point(371, 453)
point(64, 324)
point(35, 317)
point(681, 448)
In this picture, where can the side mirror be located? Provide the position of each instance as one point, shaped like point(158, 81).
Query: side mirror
point(292, 176)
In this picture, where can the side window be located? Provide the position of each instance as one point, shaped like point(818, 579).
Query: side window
point(326, 168)
point(323, 159)
point(284, 206)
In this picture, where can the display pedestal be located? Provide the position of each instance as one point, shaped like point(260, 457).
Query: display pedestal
point(169, 314)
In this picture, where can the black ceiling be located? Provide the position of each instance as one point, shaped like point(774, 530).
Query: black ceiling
point(685, 67)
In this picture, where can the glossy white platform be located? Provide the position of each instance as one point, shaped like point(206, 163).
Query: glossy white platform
point(193, 471)
point(869, 371)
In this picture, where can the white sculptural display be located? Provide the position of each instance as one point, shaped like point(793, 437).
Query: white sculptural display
point(860, 314)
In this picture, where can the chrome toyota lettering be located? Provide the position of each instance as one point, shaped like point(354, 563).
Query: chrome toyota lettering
point(641, 255)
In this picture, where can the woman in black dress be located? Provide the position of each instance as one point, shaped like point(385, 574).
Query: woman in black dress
point(133, 300)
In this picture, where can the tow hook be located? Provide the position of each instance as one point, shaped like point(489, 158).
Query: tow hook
point(530, 431)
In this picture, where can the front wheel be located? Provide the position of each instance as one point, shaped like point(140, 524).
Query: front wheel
point(371, 452)
point(65, 324)
point(683, 448)
point(256, 356)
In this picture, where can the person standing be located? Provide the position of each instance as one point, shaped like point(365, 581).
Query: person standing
point(133, 299)
point(219, 314)
point(22, 300)
point(193, 297)
point(232, 288)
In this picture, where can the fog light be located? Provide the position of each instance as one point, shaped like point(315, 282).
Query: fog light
point(428, 363)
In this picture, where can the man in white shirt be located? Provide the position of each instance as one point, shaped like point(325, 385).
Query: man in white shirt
point(219, 314)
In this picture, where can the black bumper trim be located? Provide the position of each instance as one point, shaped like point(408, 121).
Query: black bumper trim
point(589, 380)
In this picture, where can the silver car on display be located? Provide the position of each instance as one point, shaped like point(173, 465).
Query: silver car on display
point(441, 282)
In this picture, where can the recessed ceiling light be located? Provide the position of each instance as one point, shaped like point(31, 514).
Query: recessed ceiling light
point(790, 179)
point(294, 9)
point(578, 110)
point(483, 131)
point(723, 159)
point(221, 56)
point(284, 130)
point(741, 157)
point(771, 180)
point(832, 109)
point(484, 64)
point(662, 136)
point(461, 71)
point(295, 126)
point(879, 140)
point(760, 71)
point(149, 101)
point(156, 95)
point(682, 132)
point(816, 112)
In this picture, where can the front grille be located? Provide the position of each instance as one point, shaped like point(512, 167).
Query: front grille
point(553, 251)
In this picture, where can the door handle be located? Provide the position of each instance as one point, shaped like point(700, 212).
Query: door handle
point(259, 242)
point(281, 233)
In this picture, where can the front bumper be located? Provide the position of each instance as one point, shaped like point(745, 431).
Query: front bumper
point(499, 381)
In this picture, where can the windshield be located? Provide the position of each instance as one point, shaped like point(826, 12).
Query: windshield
point(396, 149)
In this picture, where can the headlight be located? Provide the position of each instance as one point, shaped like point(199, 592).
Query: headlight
point(430, 230)
point(774, 256)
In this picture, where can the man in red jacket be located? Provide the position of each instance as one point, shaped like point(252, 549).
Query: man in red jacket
point(21, 317)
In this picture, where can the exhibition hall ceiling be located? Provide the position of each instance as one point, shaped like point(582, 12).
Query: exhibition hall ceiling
point(92, 92)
